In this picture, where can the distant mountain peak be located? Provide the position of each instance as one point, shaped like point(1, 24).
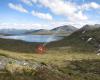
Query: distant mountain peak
point(65, 28)
point(90, 27)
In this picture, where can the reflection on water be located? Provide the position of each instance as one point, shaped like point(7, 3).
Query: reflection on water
point(34, 38)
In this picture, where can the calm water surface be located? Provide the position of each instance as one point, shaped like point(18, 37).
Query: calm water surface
point(34, 38)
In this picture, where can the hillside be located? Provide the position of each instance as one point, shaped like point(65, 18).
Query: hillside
point(61, 30)
point(7, 32)
point(90, 27)
point(65, 29)
point(41, 32)
point(82, 39)
point(17, 45)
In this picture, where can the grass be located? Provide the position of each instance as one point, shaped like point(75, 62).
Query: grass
point(17, 46)
point(51, 56)
point(73, 56)
point(83, 70)
point(78, 41)
point(76, 65)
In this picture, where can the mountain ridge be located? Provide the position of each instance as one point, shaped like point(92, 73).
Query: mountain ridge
point(67, 29)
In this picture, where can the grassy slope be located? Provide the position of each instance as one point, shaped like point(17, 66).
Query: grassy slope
point(56, 56)
point(77, 44)
point(83, 70)
point(78, 66)
point(17, 46)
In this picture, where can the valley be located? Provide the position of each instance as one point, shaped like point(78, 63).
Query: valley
point(75, 57)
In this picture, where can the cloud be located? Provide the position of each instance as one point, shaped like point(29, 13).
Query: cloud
point(40, 15)
point(23, 26)
point(79, 16)
point(34, 1)
point(72, 11)
point(60, 7)
point(17, 7)
point(94, 5)
point(91, 5)
point(77, 24)
point(28, 2)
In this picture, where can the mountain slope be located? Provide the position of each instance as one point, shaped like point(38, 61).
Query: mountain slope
point(90, 27)
point(14, 31)
point(65, 29)
point(81, 40)
point(62, 29)
point(42, 31)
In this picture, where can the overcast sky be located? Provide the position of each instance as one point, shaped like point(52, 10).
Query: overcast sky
point(47, 14)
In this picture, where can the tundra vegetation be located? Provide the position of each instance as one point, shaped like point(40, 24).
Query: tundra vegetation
point(73, 58)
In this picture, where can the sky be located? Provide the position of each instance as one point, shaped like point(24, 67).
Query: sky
point(48, 14)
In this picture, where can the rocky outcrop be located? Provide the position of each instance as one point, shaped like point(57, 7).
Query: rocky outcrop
point(26, 70)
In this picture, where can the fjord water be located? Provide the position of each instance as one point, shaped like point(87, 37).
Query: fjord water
point(34, 38)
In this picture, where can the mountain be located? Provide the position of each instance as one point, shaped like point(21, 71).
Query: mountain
point(90, 27)
point(84, 39)
point(65, 29)
point(14, 31)
point(42, 31)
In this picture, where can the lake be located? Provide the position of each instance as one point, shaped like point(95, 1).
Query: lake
point(34, 38)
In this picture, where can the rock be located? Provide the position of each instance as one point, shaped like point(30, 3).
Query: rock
point(83, 32)
point(98, 54)
point(25, 70)
point(89, 39)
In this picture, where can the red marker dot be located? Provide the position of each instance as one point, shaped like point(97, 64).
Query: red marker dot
point(40, 49)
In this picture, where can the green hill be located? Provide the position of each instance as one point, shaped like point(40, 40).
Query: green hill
point(17, 46)
point(81, 40)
